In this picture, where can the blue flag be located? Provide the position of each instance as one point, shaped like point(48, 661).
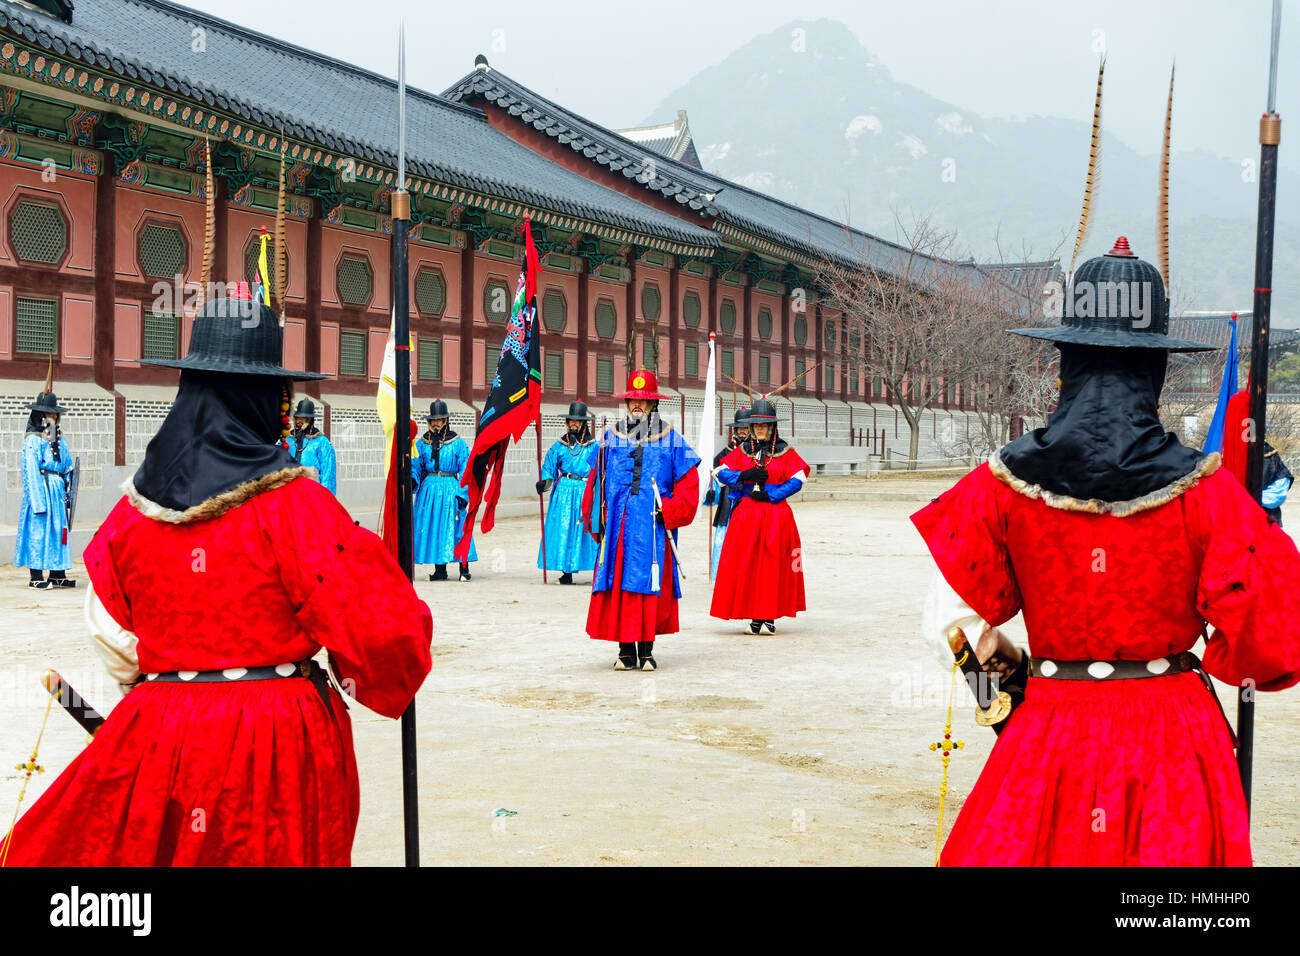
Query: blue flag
point(1214, 438)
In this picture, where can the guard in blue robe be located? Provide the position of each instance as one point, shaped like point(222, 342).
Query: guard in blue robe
point(722, 501)
point(567, 546)
point(440, 501)
point(311, 448)
point(41, 543)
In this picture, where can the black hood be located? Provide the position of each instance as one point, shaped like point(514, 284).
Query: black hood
point(221, 432)
point(1104, 442)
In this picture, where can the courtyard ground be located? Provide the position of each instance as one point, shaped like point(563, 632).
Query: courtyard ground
point(809, 747)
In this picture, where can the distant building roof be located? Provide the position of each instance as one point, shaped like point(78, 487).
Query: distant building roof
point(673, 139)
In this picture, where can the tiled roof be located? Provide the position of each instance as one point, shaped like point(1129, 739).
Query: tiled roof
point(755, 213)
point(329, 103)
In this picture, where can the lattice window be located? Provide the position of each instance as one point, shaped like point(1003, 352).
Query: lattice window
point(765, 323)
point(37, 325)
point(430, 293)
point(352, 353)
point(554, 370)
point(555, 311)
point(691, 310)
point(830, 378)
point(430, 367)
point(800, 330)
point(491, 357)
point(832, 341)
point(162, 336)
point(38, 232)
point(650, 353)
point(765, 368)
point(729, 362)
point(162, 251)
point(855, 341)
point(606, 319)
point(496, 302)
point(853, 381)
point(727, 316)
point(800, 366)
point(604, 375)
point(693, 361)
point(650, 303)
point(356, 280)
point(879, 387)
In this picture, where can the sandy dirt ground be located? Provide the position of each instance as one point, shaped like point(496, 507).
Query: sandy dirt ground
point(809, 747)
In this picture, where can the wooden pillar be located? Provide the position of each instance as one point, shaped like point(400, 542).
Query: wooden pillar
point(466, 390)
point(633, 360)
point(787, 367)
point(747, 337)
point(844, 350)
point(585, 387)
point(314, 280)
point(104, 340)
point(220, 273)
point(674, 312)
point(819, 376)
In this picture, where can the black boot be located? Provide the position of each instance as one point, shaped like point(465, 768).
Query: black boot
point(645, 650)
point(60, 579)
point(464, 571)
point(769, 626)
point(439, 573)
point(755, 627)
point(566, 578)
point(626, 657)
point(37, 581)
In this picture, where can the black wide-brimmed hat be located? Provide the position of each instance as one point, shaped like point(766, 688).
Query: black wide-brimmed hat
point(741, 419)
point(578, 412)
point(1116, 300)
point(49, 403)
point(306, 409)
point(237, 337)
point(437, 409)
point(763, 412)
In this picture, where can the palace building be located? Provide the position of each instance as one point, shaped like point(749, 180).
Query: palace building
point(109, 108)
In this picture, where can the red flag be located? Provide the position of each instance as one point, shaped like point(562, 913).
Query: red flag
point(513, 403)
point(388, 517)
point(1235, 444)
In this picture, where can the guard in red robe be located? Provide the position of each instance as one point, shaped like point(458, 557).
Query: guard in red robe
point(215, 582)
point(643, 488)
point(1119, 545)
point(760, 572)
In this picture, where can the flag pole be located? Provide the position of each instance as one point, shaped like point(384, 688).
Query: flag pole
point(401, 207)
point(541, 507)
point(1270, 134)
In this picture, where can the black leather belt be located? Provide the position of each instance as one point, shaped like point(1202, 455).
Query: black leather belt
point(574, 477)
point(445, 474)
point(307, 669)
point(1113, 670)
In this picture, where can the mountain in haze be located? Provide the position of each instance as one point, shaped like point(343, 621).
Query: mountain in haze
point(814, 118)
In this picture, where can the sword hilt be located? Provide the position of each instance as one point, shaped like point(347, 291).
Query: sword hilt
point(80, 711)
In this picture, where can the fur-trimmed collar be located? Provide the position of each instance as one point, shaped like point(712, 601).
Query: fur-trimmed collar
point(219, 504)
point(1121, 509)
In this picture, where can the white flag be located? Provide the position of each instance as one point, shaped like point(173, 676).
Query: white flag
point(704, 441)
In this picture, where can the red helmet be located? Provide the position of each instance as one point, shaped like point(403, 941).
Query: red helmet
point(642, 384)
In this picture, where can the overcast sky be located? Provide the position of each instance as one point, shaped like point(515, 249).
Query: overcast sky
point(615, 62)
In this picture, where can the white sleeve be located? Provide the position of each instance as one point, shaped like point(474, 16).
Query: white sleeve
point(943, 610)
point(115, 646)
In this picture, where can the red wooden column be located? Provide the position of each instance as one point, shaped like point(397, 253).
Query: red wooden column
point(584, 384)
point(674, 311)
point(787, 367)
point(634, 361)
point(819, 376)
point(844, 350)
point(466, 389)
point(313, 297)
point(104, 334)
point(746, 375)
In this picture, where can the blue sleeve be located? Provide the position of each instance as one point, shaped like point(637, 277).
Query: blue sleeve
point(33, 480)
point(728, 476)
point(548, 463)
point(784, 490)
point(1275, 493)
point(417, 464)
point(462, 459)
point(328, 469)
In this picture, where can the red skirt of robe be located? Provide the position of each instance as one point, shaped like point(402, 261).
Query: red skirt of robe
point(627, 617)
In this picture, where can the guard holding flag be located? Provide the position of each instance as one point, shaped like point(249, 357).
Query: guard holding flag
point(437, 469)
point(41, 543)
point(643, 488)
point(567, 547)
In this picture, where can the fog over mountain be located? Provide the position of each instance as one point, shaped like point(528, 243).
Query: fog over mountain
point(817, 119)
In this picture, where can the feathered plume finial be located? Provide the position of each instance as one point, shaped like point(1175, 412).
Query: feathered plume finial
point(748, 391)
point(1090, 184)
point(209, 230)
point(49, 375)
point(1162, 203)
point(279, 236)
